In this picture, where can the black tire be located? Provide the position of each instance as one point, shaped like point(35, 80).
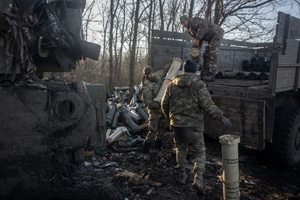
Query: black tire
point(284, 151)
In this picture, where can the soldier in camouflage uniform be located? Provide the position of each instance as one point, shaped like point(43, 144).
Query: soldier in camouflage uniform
point(205, 30)
point(185, 100)
point(158, 123)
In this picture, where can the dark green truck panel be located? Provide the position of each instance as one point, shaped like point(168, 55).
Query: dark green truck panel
point(97, 94)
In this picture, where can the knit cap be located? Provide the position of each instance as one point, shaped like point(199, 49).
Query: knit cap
point(190, 66)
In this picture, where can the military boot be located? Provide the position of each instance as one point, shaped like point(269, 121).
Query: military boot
point(158, 144)
point(198, 184)
point(146, 148)
point(182, 176)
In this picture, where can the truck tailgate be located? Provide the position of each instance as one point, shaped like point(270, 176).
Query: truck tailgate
point(247, 117)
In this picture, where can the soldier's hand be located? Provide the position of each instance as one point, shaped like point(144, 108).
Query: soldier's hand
point(226, 122)
point(196, 43)
point(155, 105)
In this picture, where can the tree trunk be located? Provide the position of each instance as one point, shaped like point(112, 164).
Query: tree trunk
point(132, 56)
point(111, 66)
point(191, 9)
point(104, 44)
point(122, 32)
point(218, 13)
point(149, 33)
point(208, 11)
point(161, 14)
point(115, 50)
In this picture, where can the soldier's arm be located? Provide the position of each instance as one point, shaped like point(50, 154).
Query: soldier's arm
point(206, 102)
point(166, 102)
point(200, 26)
point(147, 96)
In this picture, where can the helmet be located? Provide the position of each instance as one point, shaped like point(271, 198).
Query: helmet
point(148, 70)
point(183, 18)
point(195, 53)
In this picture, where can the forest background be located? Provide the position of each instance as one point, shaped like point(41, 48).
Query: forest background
point(123, 29)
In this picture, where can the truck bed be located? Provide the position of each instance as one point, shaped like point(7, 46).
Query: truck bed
point(244, 88)
point(242, 101)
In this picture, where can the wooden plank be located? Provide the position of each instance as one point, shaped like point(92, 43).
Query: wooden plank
point(170, 43)
point(245, 44)
point(247, 117)
point(289, 65)
point(240, 88)
point(173, 35)
point(160, 55)
point(167, 35)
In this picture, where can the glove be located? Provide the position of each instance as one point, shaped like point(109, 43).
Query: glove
point(155, 105)
point(196, 43)
point(226, 122)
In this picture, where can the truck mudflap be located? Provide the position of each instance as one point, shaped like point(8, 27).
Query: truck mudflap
point(247, 117)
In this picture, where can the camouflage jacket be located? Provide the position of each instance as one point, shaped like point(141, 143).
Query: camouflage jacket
point(150, 88)
point(203, 29)
point(185, 100)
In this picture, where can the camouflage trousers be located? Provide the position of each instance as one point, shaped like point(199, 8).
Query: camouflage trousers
point(157, 126)
point(198, 149)
point(210, 57)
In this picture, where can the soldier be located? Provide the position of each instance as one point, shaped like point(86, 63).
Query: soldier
point(205, 30)
point(158, 123)
point(185, 100)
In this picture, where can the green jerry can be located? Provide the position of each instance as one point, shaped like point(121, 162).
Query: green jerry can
point(97, 140)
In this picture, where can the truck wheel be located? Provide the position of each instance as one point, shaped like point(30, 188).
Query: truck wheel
point(284, 151)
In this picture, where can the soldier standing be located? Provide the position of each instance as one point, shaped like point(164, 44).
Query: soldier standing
point(205, 30)
point(184, 102)
point(158, 123)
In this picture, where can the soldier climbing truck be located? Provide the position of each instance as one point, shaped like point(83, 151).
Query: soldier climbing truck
point(264, 113)
point(45, 123)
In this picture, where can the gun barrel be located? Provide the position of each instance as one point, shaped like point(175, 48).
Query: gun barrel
point(90, 50)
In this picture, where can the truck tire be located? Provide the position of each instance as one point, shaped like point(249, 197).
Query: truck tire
point(284, 151)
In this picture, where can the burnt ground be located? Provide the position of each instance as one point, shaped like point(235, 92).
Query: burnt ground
point(158, 179)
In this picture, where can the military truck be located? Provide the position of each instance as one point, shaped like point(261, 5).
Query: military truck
point(45, 123)
point(264, 113)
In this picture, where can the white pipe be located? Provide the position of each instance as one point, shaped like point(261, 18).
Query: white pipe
point(118, 132)
point(230, 159)
point(173, 71)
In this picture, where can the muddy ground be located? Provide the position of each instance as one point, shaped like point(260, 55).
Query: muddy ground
point(158, 179)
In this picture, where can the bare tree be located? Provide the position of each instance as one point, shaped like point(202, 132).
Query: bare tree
point(122, 37)
point(208, 10)
point(192, 8)
point(161, 14)
point(150, 22)
point(218, 13)
point(132, 56)
point(124, 32)
point(113, 10)
point(88, 16)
